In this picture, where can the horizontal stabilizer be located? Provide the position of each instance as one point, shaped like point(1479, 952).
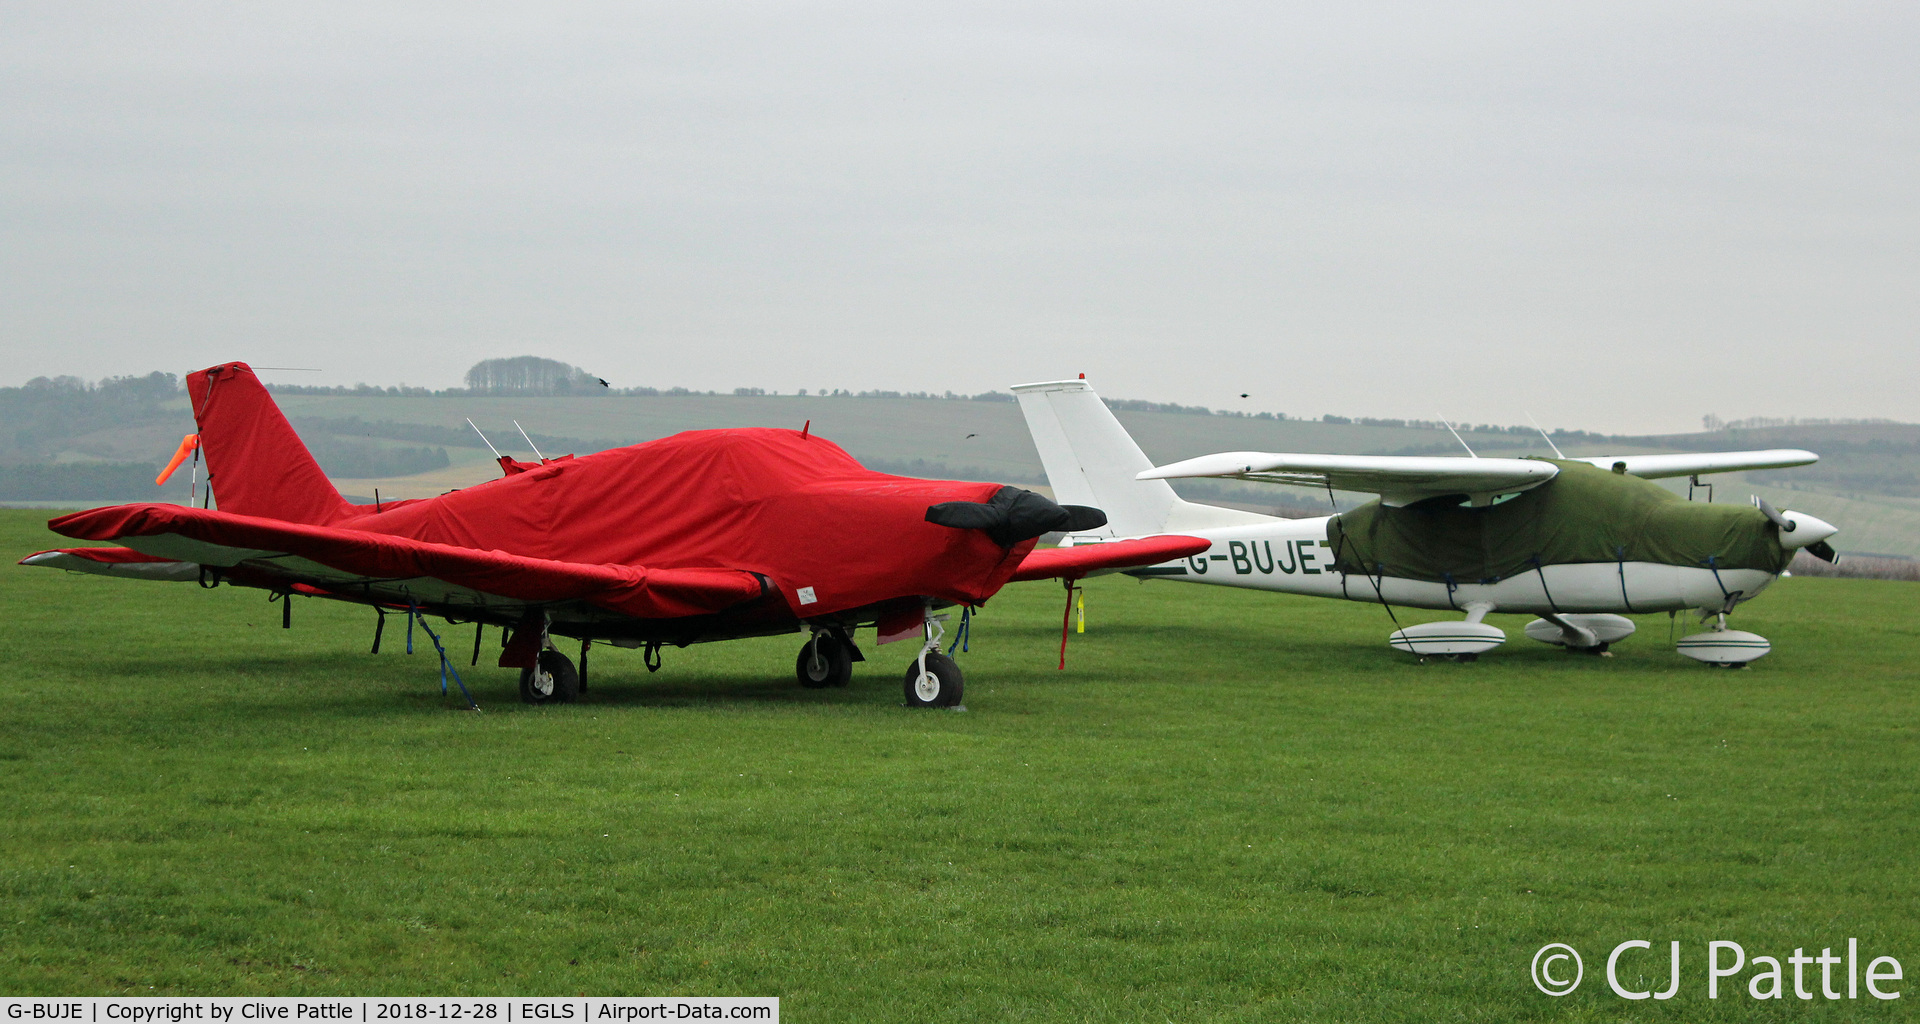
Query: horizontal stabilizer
point(1082, 559)
point(1653, 467)
point(124, 563)
point(1397, 479)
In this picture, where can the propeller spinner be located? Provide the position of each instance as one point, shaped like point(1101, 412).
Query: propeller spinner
point(1800, 530)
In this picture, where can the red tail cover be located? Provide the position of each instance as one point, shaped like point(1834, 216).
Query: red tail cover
point(256, 464)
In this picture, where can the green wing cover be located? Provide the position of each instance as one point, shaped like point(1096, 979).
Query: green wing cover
point(1584, 514)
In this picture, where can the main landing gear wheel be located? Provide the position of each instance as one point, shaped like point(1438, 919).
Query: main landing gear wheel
point(824, 661)
point(937, 687)
point(554, 682)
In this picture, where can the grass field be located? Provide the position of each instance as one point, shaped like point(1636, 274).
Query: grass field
point(1230, 807)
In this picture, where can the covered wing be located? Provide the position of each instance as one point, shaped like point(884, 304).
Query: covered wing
point(1082, 559)
point(1653, 467)
point(1397, 479)
point(346, 560)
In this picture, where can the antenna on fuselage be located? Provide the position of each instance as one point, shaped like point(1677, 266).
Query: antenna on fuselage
point(1545, 437)
point(529, 440)
point(483, 439)
point(1462, 440)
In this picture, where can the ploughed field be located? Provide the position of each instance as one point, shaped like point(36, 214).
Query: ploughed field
point(1230, 806)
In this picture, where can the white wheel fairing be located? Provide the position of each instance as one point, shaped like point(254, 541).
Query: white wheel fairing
point(1441, 638)
point(1724, 647)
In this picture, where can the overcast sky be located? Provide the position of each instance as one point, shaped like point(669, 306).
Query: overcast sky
point(1618, 216)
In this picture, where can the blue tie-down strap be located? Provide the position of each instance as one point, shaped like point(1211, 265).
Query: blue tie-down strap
point(1713, 563)
point(446, 664)
point(966, 623)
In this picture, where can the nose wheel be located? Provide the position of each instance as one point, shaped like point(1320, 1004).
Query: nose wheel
point(933, 681)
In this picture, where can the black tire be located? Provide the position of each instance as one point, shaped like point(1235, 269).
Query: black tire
point(560, 685)
point(939, 688)
point(833, 665)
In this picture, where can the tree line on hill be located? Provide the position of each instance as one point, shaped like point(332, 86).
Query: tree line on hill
point(532, 376)
point(41, 418)
point(36, 418)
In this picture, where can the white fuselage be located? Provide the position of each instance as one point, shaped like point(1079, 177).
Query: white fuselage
point(1293, 556)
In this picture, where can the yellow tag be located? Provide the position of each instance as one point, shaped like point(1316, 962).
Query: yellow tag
point(1080, 611)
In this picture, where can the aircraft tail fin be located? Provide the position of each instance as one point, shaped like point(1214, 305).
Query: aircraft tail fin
point(256, 464)
point(1090, 459)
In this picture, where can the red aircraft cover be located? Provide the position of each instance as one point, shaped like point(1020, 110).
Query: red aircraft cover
point(669, 527)
point(1081, 559)
point(634, 590)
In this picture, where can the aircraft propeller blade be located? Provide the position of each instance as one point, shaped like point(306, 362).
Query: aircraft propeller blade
point(1015, 514)
point(1786, 525)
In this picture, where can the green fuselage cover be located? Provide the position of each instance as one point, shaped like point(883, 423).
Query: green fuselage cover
point(1583, 514)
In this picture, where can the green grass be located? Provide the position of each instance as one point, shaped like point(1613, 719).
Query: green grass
point(1230, 807)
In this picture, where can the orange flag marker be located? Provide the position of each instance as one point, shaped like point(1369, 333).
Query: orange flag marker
point(187, 445)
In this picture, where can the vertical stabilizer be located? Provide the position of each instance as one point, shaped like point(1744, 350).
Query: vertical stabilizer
point(1091, 460)
point(256, 464)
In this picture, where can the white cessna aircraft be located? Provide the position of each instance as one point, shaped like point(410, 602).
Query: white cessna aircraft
point(1573, 541)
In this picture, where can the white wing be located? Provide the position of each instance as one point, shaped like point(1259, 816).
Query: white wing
point(1397, 479)
point(1652, 467)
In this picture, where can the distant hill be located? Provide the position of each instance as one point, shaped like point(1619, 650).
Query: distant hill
point(416, 445)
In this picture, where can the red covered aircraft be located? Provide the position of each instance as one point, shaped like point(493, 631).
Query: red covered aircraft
point(705, 535)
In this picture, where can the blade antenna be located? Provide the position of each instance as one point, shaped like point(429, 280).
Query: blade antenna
point(483, 438)
point(1545, 437)
point(1462, 440)
point(529, 440)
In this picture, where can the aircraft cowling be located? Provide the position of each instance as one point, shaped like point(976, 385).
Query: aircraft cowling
point(1014, 514)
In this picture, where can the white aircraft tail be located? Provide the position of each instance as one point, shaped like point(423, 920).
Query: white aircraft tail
point(1090, 459)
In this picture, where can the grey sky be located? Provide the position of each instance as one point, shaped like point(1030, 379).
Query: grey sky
point(1619, 216)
